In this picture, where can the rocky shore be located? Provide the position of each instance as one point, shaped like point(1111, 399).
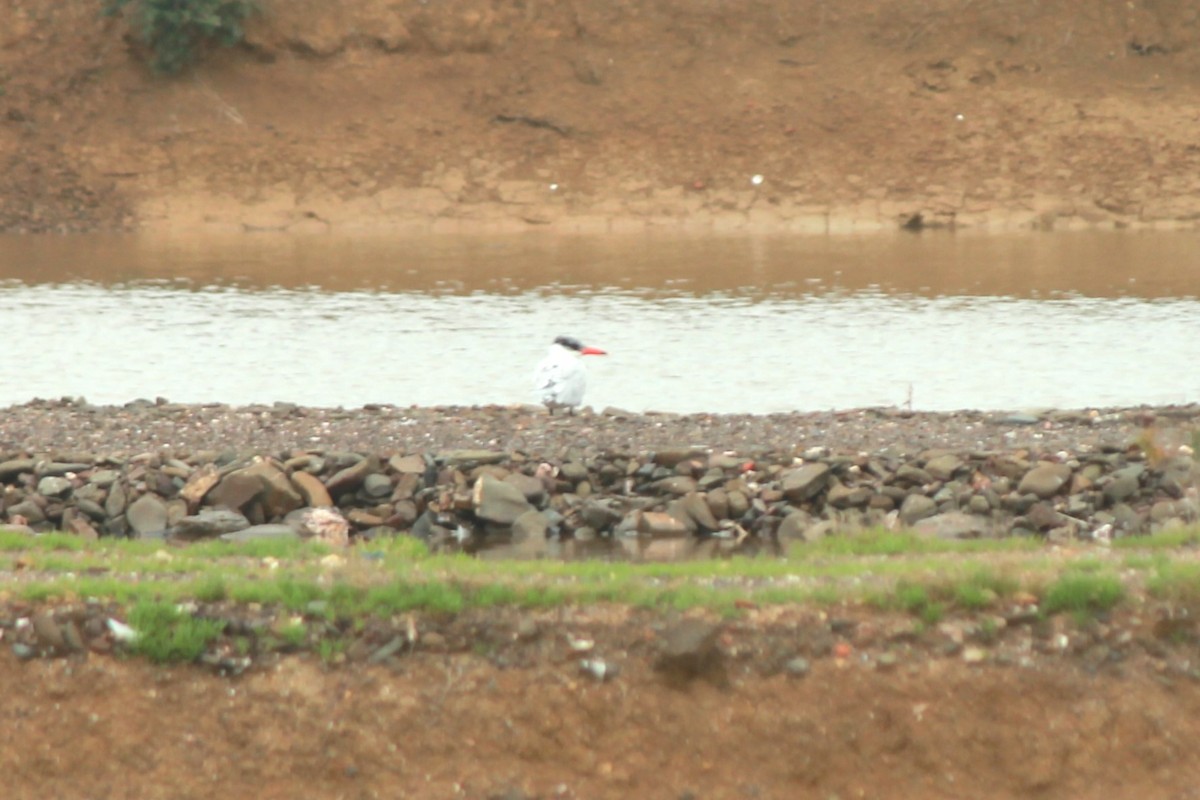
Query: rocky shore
point(517, 481)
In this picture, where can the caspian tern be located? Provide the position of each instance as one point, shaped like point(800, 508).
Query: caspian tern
point(560, 378)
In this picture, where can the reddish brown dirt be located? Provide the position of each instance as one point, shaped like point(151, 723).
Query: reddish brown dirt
point(506, 720)
point(459, 116)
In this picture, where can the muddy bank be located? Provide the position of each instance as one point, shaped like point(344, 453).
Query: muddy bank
point(646, 486)
point(432, 725)
point(481, 115)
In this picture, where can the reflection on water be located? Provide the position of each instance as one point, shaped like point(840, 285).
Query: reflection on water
point(691, 324)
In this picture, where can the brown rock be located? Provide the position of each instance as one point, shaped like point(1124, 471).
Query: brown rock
point(658, 524)
point(198, 485)
point(311, 490)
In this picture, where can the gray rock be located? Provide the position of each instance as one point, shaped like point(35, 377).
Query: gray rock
point(600, 514)
point(147, 515)
point(209, 523)
point(943, 467)
point(797, 667)
point(678, 485)
point(497, 501)
point(93, 510)
point(916, 507)
point(460, 457)
point(952, 525)
point(14, 467)
point(699, 512)
point(912, 475)
point(115, 504)
point(48, 632)
point(1044, 480)
point(672, 456)
point(104, 477)
point(377, 485)
point(573, 471)
point(1124, 483)
point(259, 532)
point(530, 487)
point(978, 504)
point(806, 482)
point(52, 486)
point(28, 509)
point(841, 496)
point(61, 467)
point(739, 503)
point(1164, 510)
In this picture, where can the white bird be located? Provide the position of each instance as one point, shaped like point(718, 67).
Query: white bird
point(561, 378)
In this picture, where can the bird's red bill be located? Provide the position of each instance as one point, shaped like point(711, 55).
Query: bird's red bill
point(592, 351)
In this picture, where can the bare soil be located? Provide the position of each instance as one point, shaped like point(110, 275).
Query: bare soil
point(473, 115)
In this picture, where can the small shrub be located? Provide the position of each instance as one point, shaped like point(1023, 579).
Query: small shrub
point(174, 29)
point(167, 634)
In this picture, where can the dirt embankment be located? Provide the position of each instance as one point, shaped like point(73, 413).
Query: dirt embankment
point(481, 114)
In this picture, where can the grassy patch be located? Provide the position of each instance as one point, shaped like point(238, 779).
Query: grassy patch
point(879, 542)
point(166, 634)
point(1083, 593)
point(1178, 583)
point(1167, 540)
point(18, 542)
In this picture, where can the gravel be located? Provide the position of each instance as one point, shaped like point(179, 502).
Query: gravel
point(67, 429)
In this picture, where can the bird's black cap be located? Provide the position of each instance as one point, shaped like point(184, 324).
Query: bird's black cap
point(569, 342)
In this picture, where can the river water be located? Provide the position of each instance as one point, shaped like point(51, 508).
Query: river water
point(722, 324)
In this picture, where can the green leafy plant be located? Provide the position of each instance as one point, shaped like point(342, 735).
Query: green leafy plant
point(166, 634)
point(174, 29)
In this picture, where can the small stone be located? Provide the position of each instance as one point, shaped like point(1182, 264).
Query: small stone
point(658, 524)
point(460, 457)
point(497, 501)
point(797, 667)
point(407, 465)
point(48, 633)
point(199, 484)
point(679, 485)
point(209, 523)
point(1044, 480)
point(312, 491)
point(52, 486)
point(974, 655)
point(943, 467)
point(147, 515)
point(377, 485)
point(916, 507)
point(952, 525)
point(260, 532)
point(806, 482)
